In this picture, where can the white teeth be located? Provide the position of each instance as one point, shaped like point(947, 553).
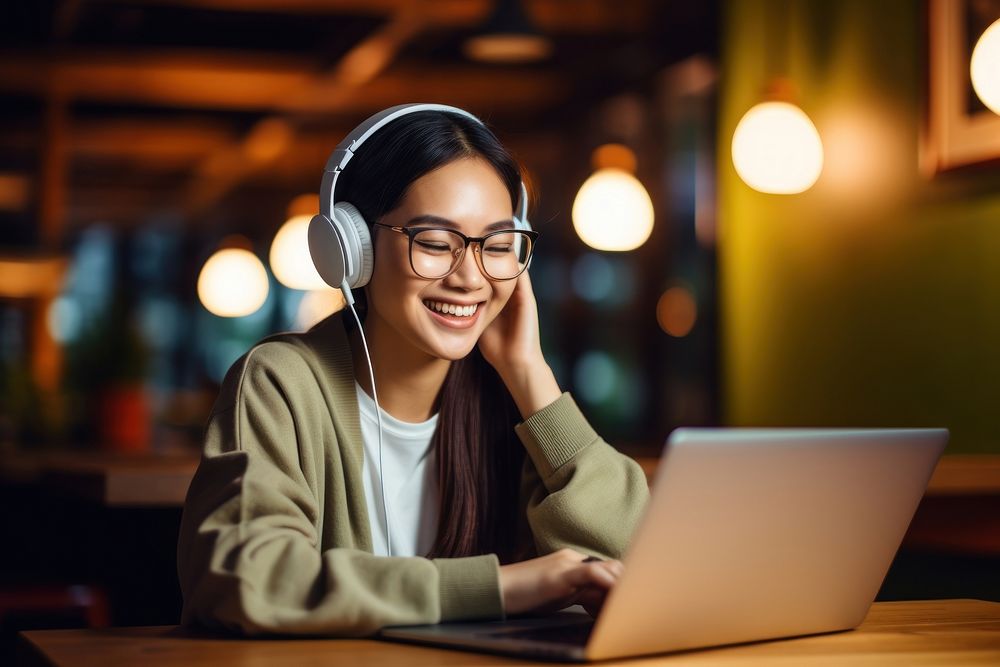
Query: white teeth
point(452, 309)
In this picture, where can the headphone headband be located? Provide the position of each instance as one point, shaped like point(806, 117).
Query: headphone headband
point(339, 238)
point(346, 149)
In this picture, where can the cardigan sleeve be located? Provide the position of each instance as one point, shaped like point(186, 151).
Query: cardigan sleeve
point(579, 492)
point(249, 552)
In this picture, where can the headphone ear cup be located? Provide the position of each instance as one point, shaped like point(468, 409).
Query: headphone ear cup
point(326, 250)
point(358, 254)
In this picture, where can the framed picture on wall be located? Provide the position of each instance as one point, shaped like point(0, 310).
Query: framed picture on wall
point(958, 129)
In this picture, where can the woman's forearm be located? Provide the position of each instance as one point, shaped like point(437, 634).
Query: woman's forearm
point(533, 387)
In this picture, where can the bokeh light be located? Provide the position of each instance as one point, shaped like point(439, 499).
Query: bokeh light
point(613, 211)
point(64, 319)
point(233, 283)
point(593, 277)
point(161, 322)
point(984, 67)
point(777, 149)
point(600, 279)
point(595, 376)
point(290, 260)
point(677, 311)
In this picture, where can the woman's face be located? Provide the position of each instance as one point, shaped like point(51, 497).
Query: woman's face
point(468, 196)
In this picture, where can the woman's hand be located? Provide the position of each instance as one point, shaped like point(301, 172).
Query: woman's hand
point(511, 341)
point(556, 581)
point(512, 346)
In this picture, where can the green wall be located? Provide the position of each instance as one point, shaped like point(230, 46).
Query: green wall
point(872, 299)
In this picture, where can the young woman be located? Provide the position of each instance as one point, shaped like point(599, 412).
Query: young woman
point(499, 496)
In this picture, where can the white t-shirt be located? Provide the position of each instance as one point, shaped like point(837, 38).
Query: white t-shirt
point(409, 471)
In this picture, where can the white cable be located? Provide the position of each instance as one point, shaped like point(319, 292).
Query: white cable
point(378, 417)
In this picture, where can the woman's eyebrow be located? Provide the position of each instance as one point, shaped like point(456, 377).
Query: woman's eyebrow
point(438, 221)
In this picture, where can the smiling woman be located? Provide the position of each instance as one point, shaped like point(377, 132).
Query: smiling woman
point(287, 523)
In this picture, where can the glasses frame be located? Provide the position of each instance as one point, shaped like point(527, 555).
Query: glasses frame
point(477, 252)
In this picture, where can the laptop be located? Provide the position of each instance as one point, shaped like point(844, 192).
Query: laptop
point(749, 535)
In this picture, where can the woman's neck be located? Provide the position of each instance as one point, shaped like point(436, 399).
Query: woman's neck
point(407, 379)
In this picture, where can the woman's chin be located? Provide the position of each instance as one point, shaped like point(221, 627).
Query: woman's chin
point(444, 342)
point(452, 348)
point(453, 352)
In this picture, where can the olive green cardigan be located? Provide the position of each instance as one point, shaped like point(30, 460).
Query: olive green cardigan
point(275, 535)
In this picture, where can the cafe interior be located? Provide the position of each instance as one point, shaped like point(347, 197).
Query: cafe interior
point(751, 213)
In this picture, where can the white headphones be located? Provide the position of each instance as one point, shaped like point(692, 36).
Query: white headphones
point(339, 238)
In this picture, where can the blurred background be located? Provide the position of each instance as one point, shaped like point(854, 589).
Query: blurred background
point(752, 213)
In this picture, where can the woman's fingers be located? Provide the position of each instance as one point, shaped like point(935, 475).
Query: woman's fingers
point(524, 286)
point(554, 581)
point(603, 574)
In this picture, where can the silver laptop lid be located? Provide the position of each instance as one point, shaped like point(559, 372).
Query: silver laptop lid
point(759, 533)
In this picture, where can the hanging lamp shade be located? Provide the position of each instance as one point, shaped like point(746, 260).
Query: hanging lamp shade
point(507, 37)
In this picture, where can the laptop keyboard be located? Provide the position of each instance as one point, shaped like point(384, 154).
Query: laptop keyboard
point(576, 634)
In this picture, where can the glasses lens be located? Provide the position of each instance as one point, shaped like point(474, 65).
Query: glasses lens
point(434, 252)
point(505, 254)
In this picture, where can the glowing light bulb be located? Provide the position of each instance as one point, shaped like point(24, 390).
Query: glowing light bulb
point(289, 257)
point(233, 283)
point(613, 211)
point(776, 149)
point(984, 67)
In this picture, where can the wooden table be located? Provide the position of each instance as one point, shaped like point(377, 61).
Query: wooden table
point(948, 632)
point(111, 480)
point(150, 480)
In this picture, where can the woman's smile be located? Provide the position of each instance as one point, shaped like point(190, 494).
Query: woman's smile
point(453, 314)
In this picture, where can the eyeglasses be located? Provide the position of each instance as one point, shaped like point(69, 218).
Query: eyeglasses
point(436, 252)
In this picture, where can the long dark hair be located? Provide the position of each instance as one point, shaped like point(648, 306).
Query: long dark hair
point(478, 455)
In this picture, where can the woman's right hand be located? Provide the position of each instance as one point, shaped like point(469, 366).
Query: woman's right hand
point(556, 581)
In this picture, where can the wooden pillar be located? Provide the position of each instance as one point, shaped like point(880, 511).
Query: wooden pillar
point(46, 357)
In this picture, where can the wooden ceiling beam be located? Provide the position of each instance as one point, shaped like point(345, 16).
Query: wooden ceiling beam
point(475, 88)
point(255, 84)
point(569, 16)
point(173, 79)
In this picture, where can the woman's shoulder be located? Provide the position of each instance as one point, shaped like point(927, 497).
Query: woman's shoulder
point(325, 341)
point(321, 354)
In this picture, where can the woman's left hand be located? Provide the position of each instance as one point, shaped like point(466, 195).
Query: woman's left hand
point(511, 341)
point(512, 346)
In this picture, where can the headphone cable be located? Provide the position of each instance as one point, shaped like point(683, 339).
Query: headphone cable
point(378, 413)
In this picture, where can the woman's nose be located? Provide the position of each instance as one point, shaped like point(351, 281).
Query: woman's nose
point(468, 274)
